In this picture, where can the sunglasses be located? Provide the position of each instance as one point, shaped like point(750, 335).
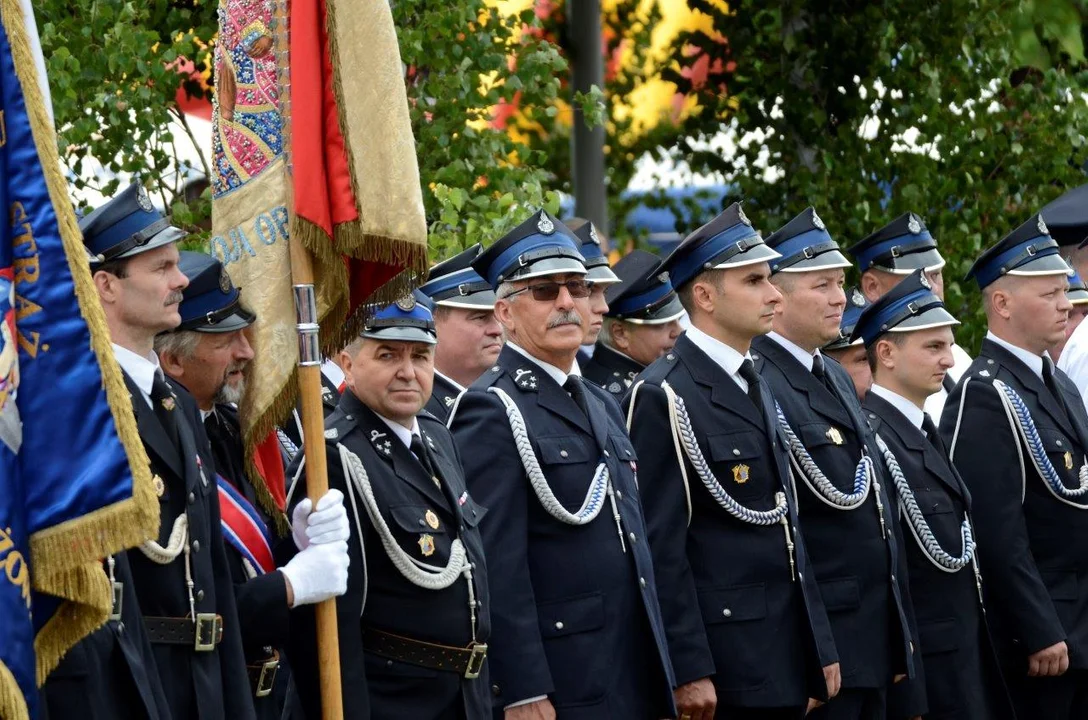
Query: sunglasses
point(549, 291)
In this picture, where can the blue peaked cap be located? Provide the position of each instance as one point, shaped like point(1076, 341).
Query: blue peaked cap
point(910, 305)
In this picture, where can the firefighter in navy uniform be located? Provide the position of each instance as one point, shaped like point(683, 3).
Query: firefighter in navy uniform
point(841, 493)
point(415, 621)
point(208, 354)
point(748, 634)
point(469, 336)
point(1017, 432)
point(908, 337)
point(182, 579)
point(888, 255)
point(848, 351)
point(600, 278)
point(641, 324)
point(577, 628)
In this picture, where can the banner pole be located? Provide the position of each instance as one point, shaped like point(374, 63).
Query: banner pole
point(309, 379)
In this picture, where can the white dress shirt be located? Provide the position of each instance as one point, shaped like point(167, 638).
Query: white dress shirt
point(726, 357)
point(403, 434)
point(1074, 359)
point(141, 369)
point(1033, 361)
point(803, 356)
point(912, 412)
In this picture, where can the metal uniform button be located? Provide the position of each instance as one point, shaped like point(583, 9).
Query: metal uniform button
point(1059, 443)
point(727, 613)
point(563, 453)
point(559, 625)
point(199, 595)
point(619, 495)
point(736, 451)
point(634, 538)
point(121, 627)
point(642, 581)
point(192, 498)
point(196, 546)
point(495, 690)
point(422, 522)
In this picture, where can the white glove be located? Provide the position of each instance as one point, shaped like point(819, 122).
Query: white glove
point(327, 524)
point(318, 573)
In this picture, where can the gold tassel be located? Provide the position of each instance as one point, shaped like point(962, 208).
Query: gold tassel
point(74, 619)
point(12, 703)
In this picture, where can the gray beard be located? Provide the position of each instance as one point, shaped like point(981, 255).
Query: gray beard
point(229, 395)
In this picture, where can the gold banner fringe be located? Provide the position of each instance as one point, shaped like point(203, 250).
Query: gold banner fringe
point(57, 553)
point(74, 619)
point(12, 702)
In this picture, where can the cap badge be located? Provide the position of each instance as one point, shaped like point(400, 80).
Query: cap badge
point(817, 221)
point(593, 235)
point(914, 225)
point(663, 277)
point(924, 281)
point(224, 280)
point(406, 303)
point(856, 298)
point(1043, 230)
point(143, 200)
point(743, 218)
point(545, 224)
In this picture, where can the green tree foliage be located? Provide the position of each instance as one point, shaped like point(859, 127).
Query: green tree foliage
point(867, 110)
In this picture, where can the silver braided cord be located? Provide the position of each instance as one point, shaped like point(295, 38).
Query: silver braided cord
point(1019, 413)
point(417, 572)
point(818, 482)
point(599, 489)
point(682, 424)
point(917, 522)
point(177, 544)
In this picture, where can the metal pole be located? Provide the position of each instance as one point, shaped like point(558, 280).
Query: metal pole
point(587, 145)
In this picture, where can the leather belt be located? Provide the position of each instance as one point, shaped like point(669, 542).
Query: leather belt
point(262, 675)
point(465, 661)
point(202, 635)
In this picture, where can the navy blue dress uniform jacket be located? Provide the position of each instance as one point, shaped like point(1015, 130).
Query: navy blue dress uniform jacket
point(859, 571)
point(379, 596)
point(111, 673)
point(574, 616)
point(443, 396)
point(958, 677)
point(611, 370)
point(732, 608)
point(1033, 547)
point(262, 600)
point(198, 685)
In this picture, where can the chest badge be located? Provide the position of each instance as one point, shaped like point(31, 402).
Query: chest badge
point(160, 486)
point(432, 520)
point(741, 473)
point(426, 544)
point(834, 435)
point(1068, 460)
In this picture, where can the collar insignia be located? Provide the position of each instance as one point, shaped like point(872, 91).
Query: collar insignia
point(525, 379)
point(332, 433)
point(857, 299)
point(382, 446)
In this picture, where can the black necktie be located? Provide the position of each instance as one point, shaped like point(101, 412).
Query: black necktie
point(164, 405)
point(932, 435)
point(748, 372)
point(1052, 384)
point(420, 451)
point(820, 371)
point(573, 385)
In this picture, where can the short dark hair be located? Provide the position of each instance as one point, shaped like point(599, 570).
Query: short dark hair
point(870, 352)
point(686, 291)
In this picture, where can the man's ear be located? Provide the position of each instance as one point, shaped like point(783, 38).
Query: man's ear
point(171, 365)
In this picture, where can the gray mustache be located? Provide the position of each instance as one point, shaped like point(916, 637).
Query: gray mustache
point(174, 298)
point(567, 317)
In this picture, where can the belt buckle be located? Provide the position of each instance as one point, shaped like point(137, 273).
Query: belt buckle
point(118, 600)
point(209, 631)
point(476, 660)
point(267, 677)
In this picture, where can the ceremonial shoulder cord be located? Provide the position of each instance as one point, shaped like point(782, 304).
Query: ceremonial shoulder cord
point(1023, 425)
point(175, 545)
point(599, 488)
point(417, 572)
point(918, 524)
point(683, 435)
point(814, 477)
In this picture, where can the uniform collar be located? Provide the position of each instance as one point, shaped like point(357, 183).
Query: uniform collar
point(729, 359)
point(554, 373)
point(403, 434)
point(451, 381)
point(803, 356)
point(141, 369)
point(912, 412)
point(1033, 361)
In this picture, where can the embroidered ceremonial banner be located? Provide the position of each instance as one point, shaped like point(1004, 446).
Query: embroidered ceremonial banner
point(75, 484)
point(349, 189)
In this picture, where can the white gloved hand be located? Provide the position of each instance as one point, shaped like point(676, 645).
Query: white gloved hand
point(326, 524)
point(318, 573)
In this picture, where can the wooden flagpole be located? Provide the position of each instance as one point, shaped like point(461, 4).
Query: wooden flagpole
point(309, 378)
